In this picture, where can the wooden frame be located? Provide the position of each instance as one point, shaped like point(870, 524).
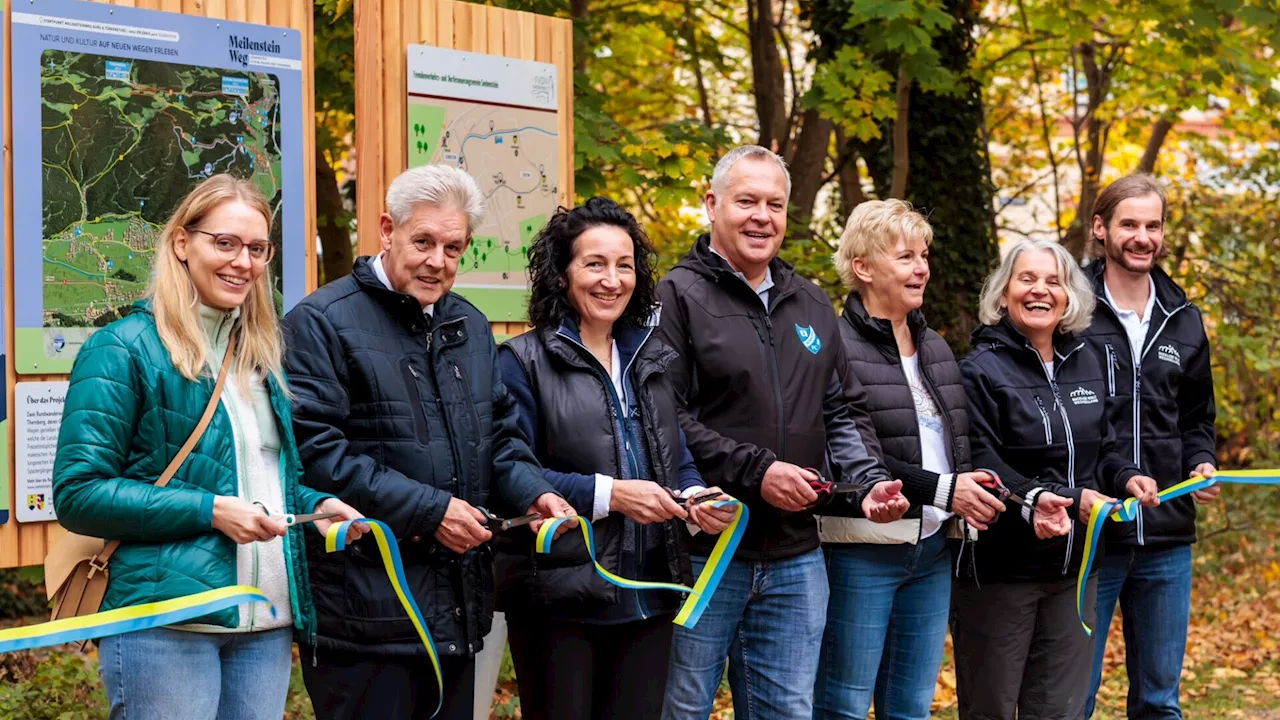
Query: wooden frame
point(384, 30)
point(27, 543)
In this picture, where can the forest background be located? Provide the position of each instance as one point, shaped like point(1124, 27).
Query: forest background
point(999, 121)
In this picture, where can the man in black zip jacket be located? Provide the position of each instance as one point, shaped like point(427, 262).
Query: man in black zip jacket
point(768, 404)
point(400, 410)
point(1155, 357)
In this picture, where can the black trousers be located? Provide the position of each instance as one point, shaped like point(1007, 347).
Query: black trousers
point(575, 671)
point(355, 686)
point(1020, 651)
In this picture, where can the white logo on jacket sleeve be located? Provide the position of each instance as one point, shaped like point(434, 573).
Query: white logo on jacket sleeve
point(1083, 396)
point(1169, 354)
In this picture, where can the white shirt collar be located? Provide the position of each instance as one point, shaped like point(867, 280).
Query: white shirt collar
point(1151, 300)
point(382, 277)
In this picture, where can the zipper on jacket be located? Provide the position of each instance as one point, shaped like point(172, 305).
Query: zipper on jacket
point(777, 387)
point(1071, 443)
point(1044, 416)
point(1111, 371)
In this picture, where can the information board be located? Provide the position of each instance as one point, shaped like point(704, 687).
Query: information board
point(121, 113)
point(37, 410)
point(496, 118)
point(4, 318)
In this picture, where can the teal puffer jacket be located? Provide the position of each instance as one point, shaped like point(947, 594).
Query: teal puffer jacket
point(127, 413)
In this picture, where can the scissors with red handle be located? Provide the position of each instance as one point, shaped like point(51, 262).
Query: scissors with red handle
point(824, 486)
point(1002, 491)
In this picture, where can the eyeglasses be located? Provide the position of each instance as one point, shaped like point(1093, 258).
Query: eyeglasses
point(230, 246)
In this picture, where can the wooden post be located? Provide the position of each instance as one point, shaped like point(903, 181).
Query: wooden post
point(27, 543)
point(384, 30)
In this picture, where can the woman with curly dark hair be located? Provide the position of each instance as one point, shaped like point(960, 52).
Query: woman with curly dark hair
point(599, 410)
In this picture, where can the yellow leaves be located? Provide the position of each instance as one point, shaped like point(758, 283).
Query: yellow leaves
point(632, 151)
point(1228, 673)
point(681, 149)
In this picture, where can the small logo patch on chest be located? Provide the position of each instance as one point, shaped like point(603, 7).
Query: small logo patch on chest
point(809, 338)
point(1083, 396)
point(1169, 354)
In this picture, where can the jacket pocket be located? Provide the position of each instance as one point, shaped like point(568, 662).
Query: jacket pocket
point(410, 376)
point(1048, 427)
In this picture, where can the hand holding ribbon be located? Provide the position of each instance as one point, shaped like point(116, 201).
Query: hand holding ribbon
point(1127, 511)
point(708, 580)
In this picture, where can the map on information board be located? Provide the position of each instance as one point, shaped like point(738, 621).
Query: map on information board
point(136, 108)
point(158, 130)
point(497, 119)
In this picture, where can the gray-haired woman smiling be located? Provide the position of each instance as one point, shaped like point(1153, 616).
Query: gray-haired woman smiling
point(1036, 406)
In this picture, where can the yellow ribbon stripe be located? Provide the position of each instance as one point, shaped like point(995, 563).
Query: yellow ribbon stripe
point(128, 619)
point(1127, 511)
point(708, 580)
point(336, 540)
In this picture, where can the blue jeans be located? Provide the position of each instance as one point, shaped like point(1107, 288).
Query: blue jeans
point(886, 627)
point(163, 673)
point(767, 616)
point(1153, 586)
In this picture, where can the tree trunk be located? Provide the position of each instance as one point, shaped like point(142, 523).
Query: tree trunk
point(578, 11)
point(901, 122)
point(1077, 237)
point(851, 195)
point(1152, 151)
point(331, 223)
point(808, 167)
point(695, 57)
point(769, 86)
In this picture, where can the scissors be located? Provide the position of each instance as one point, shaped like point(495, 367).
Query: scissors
point(1002, 491)
point(824, 486)
point(698, 499)
point(291, 520)
point(497, 524)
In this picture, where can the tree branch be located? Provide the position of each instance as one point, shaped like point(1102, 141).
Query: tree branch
point(1044, 128)
point(1149, 154)
point(779, 27)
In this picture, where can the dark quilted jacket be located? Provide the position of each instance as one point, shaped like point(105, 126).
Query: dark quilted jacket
point(396, 413)
point(127, 413)
point(872, 349)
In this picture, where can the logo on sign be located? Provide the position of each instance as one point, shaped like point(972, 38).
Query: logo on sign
point(809, 338)
point(544, 88)
point(1083, 396)
point(35, 501)
point(1169, 354)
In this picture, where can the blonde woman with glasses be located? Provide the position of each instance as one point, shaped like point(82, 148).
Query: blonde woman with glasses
point(138, 389)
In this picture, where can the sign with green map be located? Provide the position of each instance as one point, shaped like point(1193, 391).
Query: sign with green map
point(497, 118)
point(132, 118)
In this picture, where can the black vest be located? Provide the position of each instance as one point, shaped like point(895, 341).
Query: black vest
point(870, 345)
point(577, 431)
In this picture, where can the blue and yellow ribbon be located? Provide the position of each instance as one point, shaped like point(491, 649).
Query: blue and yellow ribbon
point(128, 619)
point(1127, 511)
point(708, 580)
point(336, 540)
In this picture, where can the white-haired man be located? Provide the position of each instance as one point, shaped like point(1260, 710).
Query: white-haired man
point(400, 410)
point(769, 406)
